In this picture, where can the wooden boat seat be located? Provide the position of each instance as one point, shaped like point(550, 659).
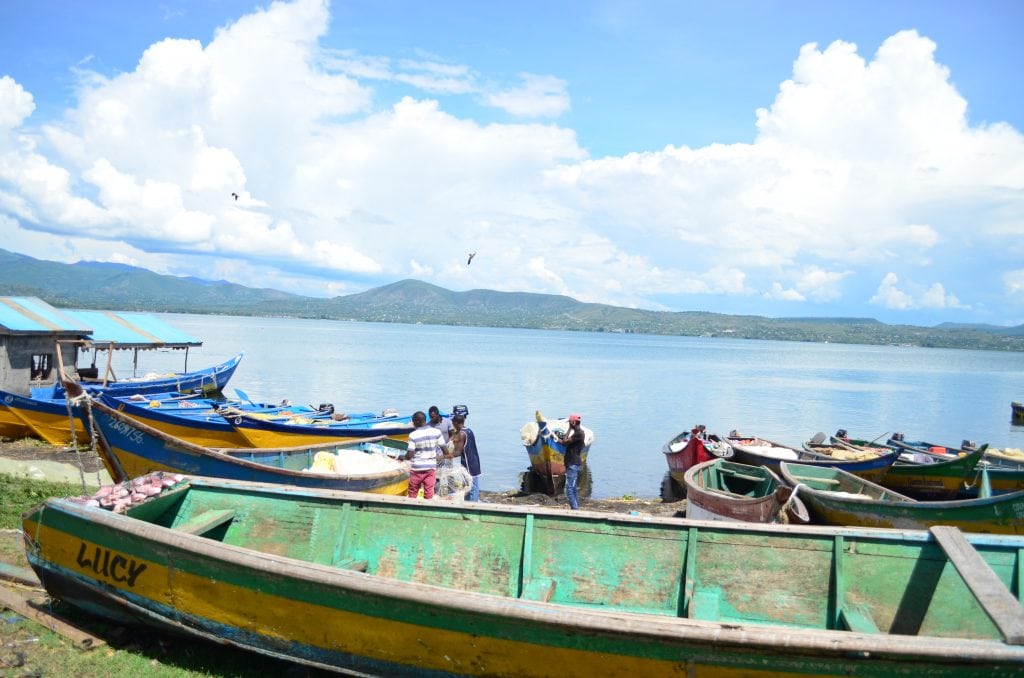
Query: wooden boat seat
point(741, 476)
point(540, 589)
point(858, 619)
point(352, 564)
point(824, 481)
point(206, 522)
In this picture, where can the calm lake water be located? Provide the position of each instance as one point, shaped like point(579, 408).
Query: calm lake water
point(634, 391)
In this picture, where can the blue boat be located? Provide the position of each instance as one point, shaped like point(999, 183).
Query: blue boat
point(207, 381)
point(130, 448)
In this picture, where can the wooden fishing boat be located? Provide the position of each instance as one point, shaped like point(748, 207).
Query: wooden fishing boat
point(11, 425)
point(680, 456)
point(724, 490)
point(835, 497)
point(266, 432)
point(398, 586)
point(1017, 412)
point(200, 421)
point(761, 452)
point(51, 419)
point(920, 450)
point(131, 448)
point(547, 454)
point(936, 481)
point(206, 381)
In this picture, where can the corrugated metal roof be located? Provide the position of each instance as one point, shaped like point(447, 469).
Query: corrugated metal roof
point(30, 315)
point(33, 315)
point(132, 330)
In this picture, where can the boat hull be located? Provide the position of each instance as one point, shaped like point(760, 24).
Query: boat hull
point(129, 448)
point(266, 433)
point(662, 597)
point(1003, 514)
point(713, 493)
point(47, 419)
point(11, 425)
point(871, 469)
point(547, 459)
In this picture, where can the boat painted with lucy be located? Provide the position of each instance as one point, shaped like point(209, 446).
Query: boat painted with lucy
point(398, 586)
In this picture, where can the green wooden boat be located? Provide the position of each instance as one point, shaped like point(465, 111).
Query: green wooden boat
point(835, 497)
point(398, 586)
point(938, 481)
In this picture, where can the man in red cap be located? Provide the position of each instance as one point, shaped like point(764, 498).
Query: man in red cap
point(573, 441)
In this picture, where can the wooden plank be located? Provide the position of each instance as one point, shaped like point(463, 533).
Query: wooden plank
point(1000, 605)
point(353, 564)
point(824, 481)
point(526, 560)
point(82, 639)
point(206, 521)
point(20, 575)
point(690, 571)
point(839, 574)
point(858, 619)
point(540, 589)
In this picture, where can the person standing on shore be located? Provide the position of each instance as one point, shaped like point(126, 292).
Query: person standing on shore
point(573, 441)
point(425, 444)
point(465, 450)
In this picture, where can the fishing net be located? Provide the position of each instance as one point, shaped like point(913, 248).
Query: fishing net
point(453, 480)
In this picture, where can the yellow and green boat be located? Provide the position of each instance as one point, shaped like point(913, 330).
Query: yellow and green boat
point(396, 586)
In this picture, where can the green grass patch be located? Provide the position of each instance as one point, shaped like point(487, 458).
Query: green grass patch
point(18, 494)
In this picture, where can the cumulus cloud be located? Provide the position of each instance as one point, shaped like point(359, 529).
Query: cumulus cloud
point(860, 164)
point(890, 296)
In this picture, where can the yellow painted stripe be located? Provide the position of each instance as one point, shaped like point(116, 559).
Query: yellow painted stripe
point(53, 428)
point(378, 638)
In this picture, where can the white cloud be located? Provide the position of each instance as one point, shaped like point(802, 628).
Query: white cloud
point(538, 97)
point(1013, 283)
point(890, 296)
point(857, 163)
point(15, 103)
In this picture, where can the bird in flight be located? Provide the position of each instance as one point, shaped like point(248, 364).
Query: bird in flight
point(470, 260)
point(235, 196)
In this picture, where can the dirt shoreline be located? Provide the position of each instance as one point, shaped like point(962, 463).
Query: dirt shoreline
point(29, 449)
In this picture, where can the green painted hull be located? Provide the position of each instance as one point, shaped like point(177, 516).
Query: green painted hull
point(939, 481)
point(825, 493)
point(398, 586)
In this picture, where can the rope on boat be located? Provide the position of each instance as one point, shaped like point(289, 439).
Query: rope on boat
point(783, 518)
point(70, 403)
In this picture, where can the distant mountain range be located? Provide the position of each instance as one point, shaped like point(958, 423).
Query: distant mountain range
point(121, 287)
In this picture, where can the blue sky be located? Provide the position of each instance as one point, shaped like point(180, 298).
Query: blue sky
point(773, 158)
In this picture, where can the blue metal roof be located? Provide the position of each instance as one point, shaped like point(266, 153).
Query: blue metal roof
point(132, 330)
point(33, 315)
point(30, 315)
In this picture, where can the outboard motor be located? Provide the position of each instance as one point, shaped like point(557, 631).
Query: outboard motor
point(326, 407)
point(841, 434)
point(897, 436)
point(460, 409)
point(968, 445)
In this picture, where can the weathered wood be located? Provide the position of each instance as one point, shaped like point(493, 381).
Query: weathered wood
point(352, 564)
point(206, 521)
point(995, 598)
point(20, 575)
point(539, 589)
point(824, 481)
point(82, 639)
point(858, 619)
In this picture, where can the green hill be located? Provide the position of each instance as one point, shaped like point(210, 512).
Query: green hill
point(122, 287)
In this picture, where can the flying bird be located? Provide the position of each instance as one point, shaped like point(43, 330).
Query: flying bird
point(470, 260)
point(235, 196)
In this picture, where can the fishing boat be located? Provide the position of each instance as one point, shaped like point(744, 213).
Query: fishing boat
point(12, 426)
point(940, 480)
point(129, 448)
point(263, 431)
point(920, 450)
point(1017, 412)
point(762, 452)
point(547, 453)
point(397, 586)
point(207, 381)
point(835, 497)
point(53, 420)
point(199, 420)
point(685, 450)
point(724, 490)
